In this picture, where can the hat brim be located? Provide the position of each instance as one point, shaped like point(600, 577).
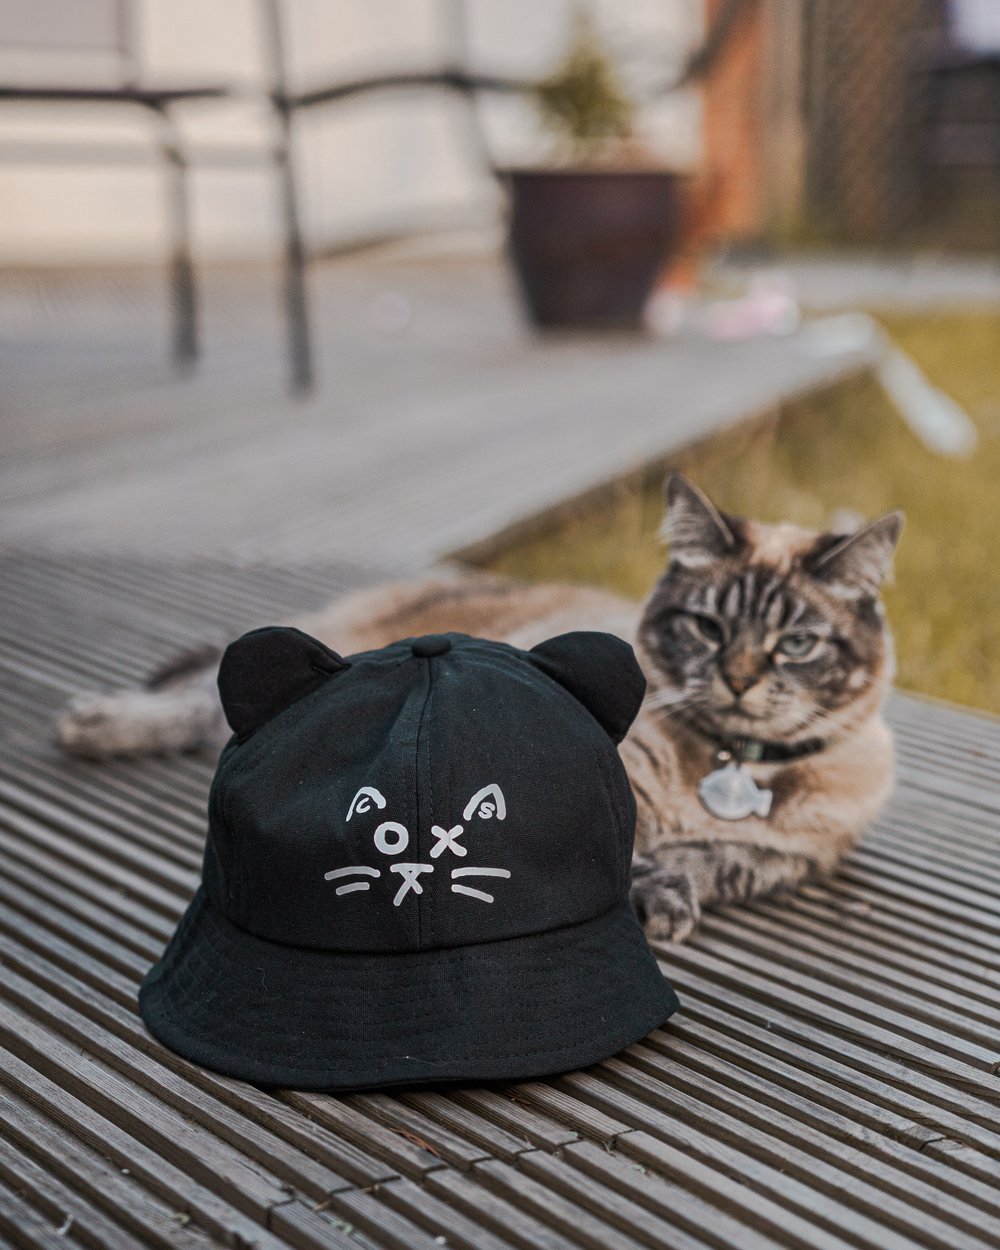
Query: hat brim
point(511, 1010)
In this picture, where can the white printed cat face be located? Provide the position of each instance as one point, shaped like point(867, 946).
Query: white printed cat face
point(392, 838)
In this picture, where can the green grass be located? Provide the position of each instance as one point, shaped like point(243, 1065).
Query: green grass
point(844, 448)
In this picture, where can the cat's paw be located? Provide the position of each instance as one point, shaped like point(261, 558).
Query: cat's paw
point(140, 722)
point(665, 902)
point(89, 725)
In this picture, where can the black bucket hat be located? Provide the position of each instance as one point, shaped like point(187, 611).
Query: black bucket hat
point(417, 868)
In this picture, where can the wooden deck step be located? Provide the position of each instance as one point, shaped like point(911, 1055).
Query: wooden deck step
point(416, 444)
point(831, 1081)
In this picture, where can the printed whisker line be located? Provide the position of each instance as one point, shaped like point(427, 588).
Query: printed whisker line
point(349, 889)
point(480, 872)
point(466, 889)
point(334, 873)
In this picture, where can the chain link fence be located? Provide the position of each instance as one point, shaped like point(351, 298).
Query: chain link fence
point(902, 125)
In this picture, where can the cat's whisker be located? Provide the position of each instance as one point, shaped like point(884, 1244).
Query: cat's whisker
point(666, 698)
point(684, 707)
point(844, 721)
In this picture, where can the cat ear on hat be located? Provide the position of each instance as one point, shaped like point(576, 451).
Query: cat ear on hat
point(599, 670)
point(269, 669)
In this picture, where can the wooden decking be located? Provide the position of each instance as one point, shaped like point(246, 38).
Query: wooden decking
point(831, 1081)
point(433, 432)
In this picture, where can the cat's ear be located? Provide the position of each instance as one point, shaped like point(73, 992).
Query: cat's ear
point(599, 670)
point(695, 529)
point(269, 669)
point(853, 565)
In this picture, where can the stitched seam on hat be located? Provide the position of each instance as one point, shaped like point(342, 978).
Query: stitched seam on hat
point(247, 753)
point(619, 811)
point(216, 801)
point(611, 790)
point(344, 1075)
point(183, 993)
point(417, 777)
point(244, 763)
point(295, 948)
point(418, 1013)
point(428, 901)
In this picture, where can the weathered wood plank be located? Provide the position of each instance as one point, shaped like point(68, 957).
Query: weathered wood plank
point(830, 1103)
point(658, 1202)
point(503, 1126)
point(773, 1175)
point(428, 1211)
point(102, 1200)
point(178, 1186)
point(892, 1185)
point(820, 1050)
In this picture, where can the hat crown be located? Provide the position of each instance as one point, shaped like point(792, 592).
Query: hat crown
point(418, 801)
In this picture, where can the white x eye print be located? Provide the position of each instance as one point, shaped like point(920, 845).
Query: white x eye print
point(446, 841)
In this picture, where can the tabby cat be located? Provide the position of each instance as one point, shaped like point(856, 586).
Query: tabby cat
point(765, 648)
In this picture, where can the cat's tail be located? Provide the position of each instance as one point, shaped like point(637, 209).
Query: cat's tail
point(177, 710)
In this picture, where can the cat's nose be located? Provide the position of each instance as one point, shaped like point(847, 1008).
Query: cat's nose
point(740, 676)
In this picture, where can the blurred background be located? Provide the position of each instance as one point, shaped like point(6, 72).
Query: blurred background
point(316, 285)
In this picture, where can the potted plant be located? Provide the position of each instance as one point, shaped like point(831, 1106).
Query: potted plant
point(590, 233)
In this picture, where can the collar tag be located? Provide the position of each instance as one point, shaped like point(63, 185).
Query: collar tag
point(730, 793)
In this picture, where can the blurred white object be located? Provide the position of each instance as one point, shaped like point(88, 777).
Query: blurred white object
point(841, 334)
point(845, 521)
point(932, 415)
point(975, 24)
point(391, 312)
point(667, 313)
point(767, 308)
point(935, 418)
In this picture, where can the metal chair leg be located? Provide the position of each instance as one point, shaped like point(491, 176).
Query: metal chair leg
point(183, 292)
point(296, 305)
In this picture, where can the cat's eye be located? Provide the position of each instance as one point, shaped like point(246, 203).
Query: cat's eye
point(797, 646)
point(707, 627)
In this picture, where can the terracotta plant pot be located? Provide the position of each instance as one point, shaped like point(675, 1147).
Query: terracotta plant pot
point(588, 245)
